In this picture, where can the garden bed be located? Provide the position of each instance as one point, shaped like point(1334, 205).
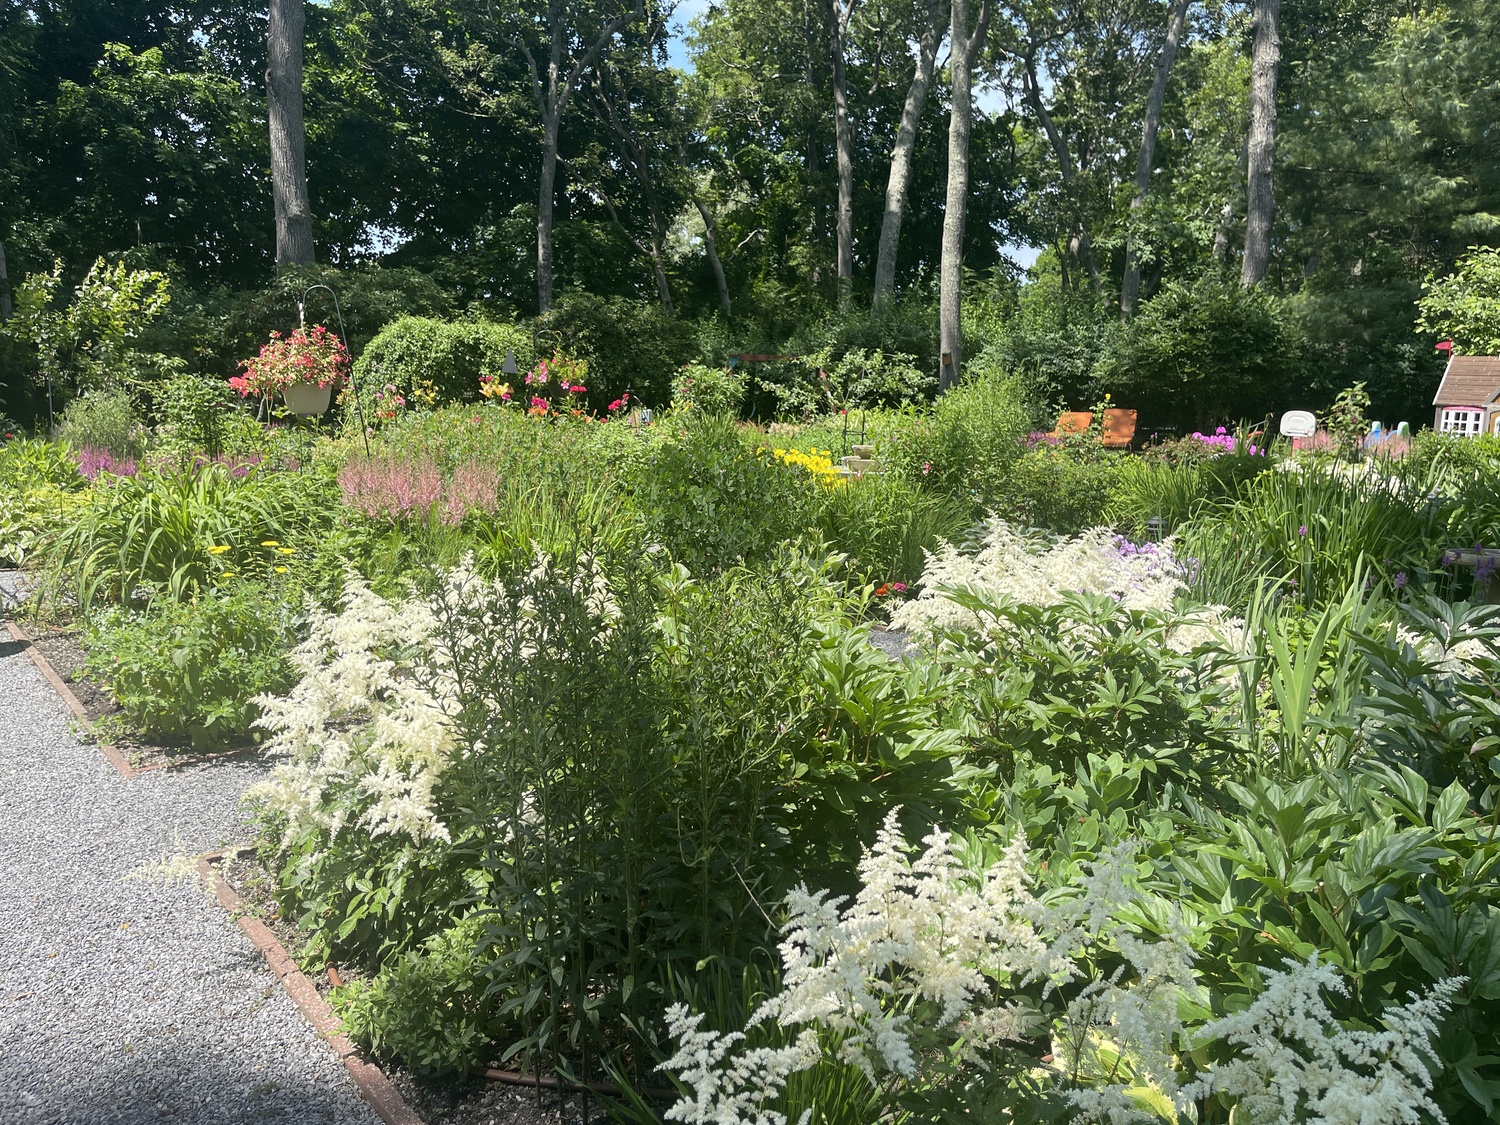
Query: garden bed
point(450, 1100)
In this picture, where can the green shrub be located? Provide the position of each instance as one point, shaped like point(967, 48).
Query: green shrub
point(426, 1008)
point(886, 526)
point(194, 412)
point(189, 672)
point(1064, 488)
point(628, 344)
point(439, 361)
point(1205, 350)
point(104, 420)
point(709, 390)
point(967, 446)
point(712, 497)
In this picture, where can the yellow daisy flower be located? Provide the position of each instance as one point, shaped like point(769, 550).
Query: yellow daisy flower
point(280, 570)
point(217, 550)
point(269, 543)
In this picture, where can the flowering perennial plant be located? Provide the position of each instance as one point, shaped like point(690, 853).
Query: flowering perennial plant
point(934, 966)
point(1146, 577)
point(556, 385)
point(317, 356)
point(371, 717)
point(818, 462)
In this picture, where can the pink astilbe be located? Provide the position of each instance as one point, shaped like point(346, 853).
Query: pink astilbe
point(92, 462)
point(393, 488)
point(473, 487)
point(390, 487)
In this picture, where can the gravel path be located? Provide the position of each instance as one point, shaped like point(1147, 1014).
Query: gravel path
point(133, 999)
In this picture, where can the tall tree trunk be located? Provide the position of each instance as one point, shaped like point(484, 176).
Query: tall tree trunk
point(839, 12)
point(1260, 202)
point(964, 50)
point(1130, 286)
point(1080, 244)
point(5, 305)
point(551, 93)
point(900, 174)
point(710, 244)
point(284, 32)
point(547, 191)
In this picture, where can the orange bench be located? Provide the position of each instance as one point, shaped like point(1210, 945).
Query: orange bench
point(1117, 432)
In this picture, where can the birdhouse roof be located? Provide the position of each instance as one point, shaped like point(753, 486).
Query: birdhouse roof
point(1469, 380)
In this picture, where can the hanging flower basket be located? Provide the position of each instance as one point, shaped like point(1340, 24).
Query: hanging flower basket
point(302, 368)
point(307, 398)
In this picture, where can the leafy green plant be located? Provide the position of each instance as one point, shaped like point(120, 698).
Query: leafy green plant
point(709, 390)
point(1064, 488)
point(190, 672)
point(1465, 305)
point(90, 341)
point(171, 532)
point(103, 419)
point(886, 526)
point(712, 497)
point(969, 444)
point(450, 356)
point(1313, 530)
point(194, 412)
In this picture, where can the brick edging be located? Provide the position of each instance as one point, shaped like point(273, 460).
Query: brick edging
point(374, 1087)
point(120, 763)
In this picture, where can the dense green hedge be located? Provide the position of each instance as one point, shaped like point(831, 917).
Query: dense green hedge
point(450, 355)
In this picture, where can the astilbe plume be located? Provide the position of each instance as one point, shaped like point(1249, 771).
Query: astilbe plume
point(358, 669)
point(389, 487)
point(396, 488)
point(1295, 1064)
point(929, 960)
point(1139, 577)
point(367, 733)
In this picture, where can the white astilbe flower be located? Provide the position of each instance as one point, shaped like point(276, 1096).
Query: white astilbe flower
point(732, 1088)
point(360, 714)
point(1295, 1064)
point(1010, 564)
point(915, 930)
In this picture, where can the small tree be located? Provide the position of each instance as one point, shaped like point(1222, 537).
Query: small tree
point(1465, 305)
point(89, 343)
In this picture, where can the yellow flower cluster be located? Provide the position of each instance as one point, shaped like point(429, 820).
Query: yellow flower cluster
point(818, 462)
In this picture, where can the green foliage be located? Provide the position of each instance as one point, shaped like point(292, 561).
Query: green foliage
point(194, 412)
point(1345, 420)
point(1055, 684)
point(171, 532)
point(1465, 305)
point(970, 443)
point(89, 342)
point(103, 419)
point(1151, 495)
point(188, 672)
point(709, 390)
point(1313, 531)
point(41, 492)
point(886, 525)
point(1202, 351)
point(628, 344)
point(426, 1007)
point(713, 496)
point(444, 359)
point(1064, 488)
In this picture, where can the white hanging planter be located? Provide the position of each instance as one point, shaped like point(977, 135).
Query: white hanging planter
point(307, 398)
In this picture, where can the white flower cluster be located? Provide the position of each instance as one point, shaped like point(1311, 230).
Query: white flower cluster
point(928, 963)
point(360, 715)
point(1295, 1064)
point(929, 959)
point(372, 714)
point(1011, 564)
